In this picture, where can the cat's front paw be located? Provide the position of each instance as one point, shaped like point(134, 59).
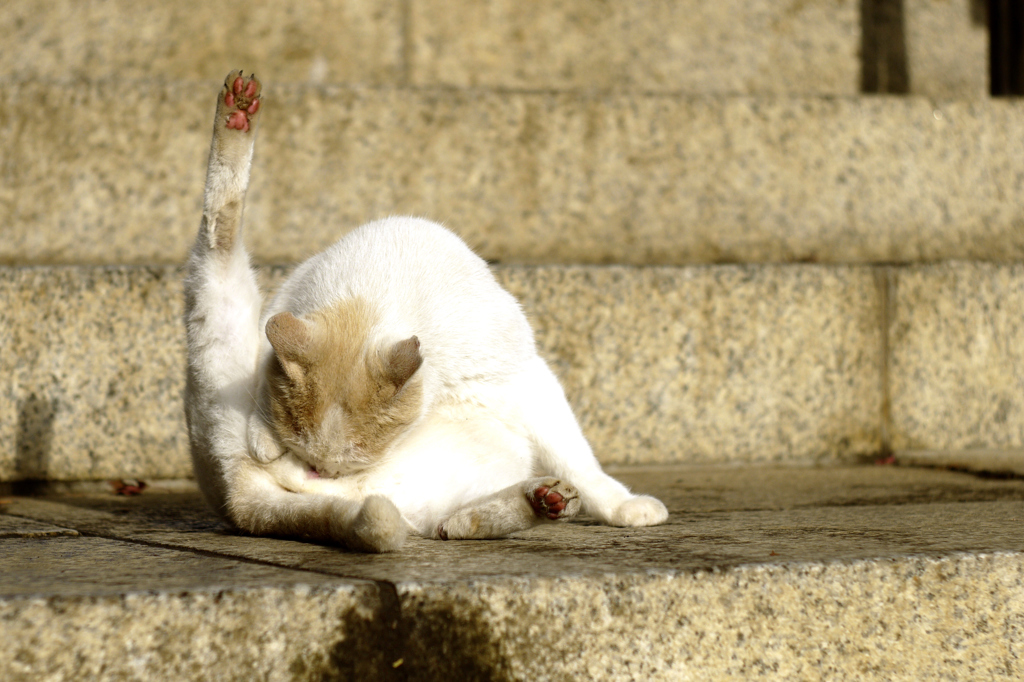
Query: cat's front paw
point(554, 500)
point(379, 527)
point(263, 447)
point(240, 100)
point(642, 510)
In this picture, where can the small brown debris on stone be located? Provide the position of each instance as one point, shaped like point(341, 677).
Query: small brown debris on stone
point(128, 486)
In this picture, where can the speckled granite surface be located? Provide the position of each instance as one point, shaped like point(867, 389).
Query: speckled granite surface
point(291, 40)
point(113, 172)
point(113, 610)
point(730, 47)
point(870, 573)
point(897, 619)
point(947, 48)
point(715, 364)
point(956, 372)
point(777, 363)
point(92, 366)
point(759, 46)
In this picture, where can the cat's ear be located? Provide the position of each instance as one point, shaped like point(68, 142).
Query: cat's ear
point(403, 360)
point(290, 338)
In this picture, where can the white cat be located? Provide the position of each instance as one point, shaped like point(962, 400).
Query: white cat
point(391, 386)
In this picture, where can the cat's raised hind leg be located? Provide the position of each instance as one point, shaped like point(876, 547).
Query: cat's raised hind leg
point(222, 301)
point(518, 507)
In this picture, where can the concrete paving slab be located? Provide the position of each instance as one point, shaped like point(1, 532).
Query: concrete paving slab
point(720, 517)
point(14, 527)
point(864, 573)
point(697, 541)
point(85, 566)
point(535, 177)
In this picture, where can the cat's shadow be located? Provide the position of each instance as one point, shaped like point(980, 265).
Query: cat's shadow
point(34, 438)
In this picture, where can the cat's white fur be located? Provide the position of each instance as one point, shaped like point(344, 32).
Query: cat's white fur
point(494, 424)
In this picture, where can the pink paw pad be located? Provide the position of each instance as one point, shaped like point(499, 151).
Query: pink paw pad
point(547, 502)
point(242, 98)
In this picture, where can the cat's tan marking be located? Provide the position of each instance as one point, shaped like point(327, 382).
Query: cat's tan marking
point(224, 227)
point(341, 400)
point(403, 361)
point(290, 338)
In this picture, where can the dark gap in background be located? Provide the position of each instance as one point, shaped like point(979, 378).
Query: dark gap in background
point(884, 67)
point(1006, 47)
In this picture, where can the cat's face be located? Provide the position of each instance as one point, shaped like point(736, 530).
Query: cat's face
point(334, 402)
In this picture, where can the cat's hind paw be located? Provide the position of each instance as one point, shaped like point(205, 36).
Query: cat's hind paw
point(240, 100)
point(467, 524)
point(521, 506)
point(554, 500)
point(642, 510)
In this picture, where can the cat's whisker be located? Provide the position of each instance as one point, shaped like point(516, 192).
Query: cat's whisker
point(257, 407)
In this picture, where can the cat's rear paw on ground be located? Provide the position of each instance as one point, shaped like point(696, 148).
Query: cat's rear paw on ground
point(641, 510)
point(241, 100)
point(554, 500)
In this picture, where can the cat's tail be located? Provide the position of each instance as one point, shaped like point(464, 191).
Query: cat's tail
point(222, 300)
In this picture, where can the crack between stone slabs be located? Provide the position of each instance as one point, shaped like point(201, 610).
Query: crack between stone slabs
point(984, 474)
point(394, 643)
point(885, 277)
point(383, 586)
point(216, 555)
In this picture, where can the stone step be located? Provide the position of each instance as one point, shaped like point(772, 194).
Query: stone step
point(870, 573)
point(734, 46)
point(731, 46)
point(784, 363)
point(113, 172)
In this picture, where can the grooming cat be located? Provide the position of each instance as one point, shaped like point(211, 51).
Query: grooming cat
point(391, 386)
